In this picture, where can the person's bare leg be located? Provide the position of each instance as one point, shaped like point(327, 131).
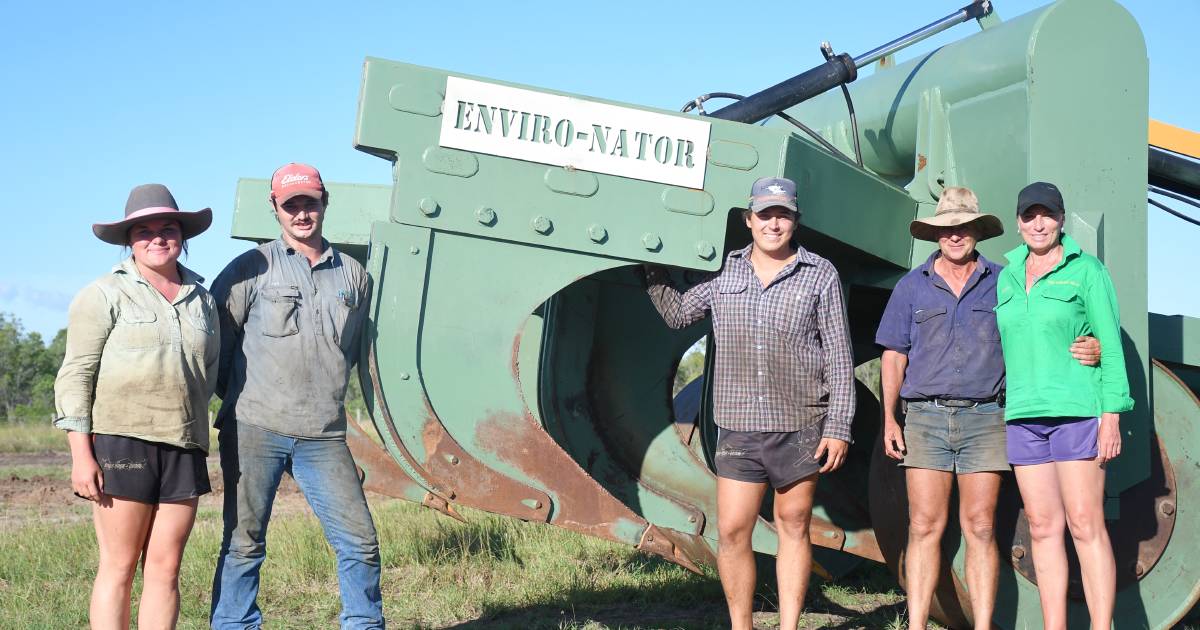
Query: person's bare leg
point(977, 496)
point(1047, 521)
point(159, 607)
point(738, 503)
point(928, 509)
point(1082, 488)
point(121, 527)
point(793, 564)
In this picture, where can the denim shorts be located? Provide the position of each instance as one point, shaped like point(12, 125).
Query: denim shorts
point(1043, 440)
point(779, 458)
point(150, 472)
point(955, 439)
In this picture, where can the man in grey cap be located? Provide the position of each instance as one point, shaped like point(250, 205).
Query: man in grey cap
point(783, 390)
point(942, 358)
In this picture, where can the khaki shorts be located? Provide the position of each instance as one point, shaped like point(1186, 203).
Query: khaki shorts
point(777, 458)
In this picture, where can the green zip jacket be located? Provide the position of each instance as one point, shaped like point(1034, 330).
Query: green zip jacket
point(1036, 330)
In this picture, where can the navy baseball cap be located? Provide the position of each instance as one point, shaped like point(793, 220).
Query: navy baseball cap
point(1040, 194)
point(770, 192)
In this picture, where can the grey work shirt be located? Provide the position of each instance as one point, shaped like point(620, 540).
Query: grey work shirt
point(783, 351)
point(290, 335)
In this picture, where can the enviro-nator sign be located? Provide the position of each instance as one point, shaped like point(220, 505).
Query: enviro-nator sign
point(564, 131)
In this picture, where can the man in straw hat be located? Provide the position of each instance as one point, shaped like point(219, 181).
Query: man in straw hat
point(783, 390)
point(292, 314)
point(942, 362)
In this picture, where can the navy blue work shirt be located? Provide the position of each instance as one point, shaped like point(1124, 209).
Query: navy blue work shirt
point(952, 343)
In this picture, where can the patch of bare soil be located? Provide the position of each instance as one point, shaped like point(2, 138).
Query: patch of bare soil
point(26, 499)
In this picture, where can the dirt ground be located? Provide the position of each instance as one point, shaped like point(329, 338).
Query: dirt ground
point(36, 487)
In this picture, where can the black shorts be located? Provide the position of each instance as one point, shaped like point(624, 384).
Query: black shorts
point(150, 472)
point(777, 458)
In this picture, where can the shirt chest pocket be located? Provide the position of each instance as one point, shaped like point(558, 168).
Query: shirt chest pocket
point(136, 328)
point(732, 313)
point(345, 319)
point(983, 322)
point(795, 312)
point(201, 318)
point(1061, 305)
point(930, 325)
point(279, 312)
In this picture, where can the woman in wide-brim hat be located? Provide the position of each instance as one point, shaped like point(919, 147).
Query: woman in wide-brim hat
point(140, 366)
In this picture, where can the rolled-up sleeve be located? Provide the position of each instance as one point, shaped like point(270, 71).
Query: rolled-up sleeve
point(678, 310)
point(834, 329)
point(1104, 319)
point(90, 319)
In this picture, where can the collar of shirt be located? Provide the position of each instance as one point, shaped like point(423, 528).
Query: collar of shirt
point(802, 256)
point(1020, 254)
point(188, 279)
point(983, 267)
point(326, 252)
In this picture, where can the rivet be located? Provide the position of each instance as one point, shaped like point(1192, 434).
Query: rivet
point(453, 459)
point(404, 376)
point(691, 519)
point(651, 241)
point(597, 233)
point(1018, 552)
point(414, 250)
point(485, 215)
point(1167, 508)
point(428, 206)
point(650, 538)
point(541, 224)
point(705, 250)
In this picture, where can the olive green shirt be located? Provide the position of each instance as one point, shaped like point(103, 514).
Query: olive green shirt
point(137, 365)
point(1037, 328)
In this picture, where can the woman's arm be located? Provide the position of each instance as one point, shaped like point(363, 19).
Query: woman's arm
point(1103, 316)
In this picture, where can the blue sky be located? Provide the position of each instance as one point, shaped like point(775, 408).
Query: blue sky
point(100, 97)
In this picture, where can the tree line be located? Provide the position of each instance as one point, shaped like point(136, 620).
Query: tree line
point(28, 366)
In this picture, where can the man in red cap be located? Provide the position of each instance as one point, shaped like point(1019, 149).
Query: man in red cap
point(292, 312)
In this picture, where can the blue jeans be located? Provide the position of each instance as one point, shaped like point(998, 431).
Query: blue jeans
point(253, 461)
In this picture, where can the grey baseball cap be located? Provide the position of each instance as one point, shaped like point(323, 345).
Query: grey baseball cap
point(1040, 194)
point(769, 192)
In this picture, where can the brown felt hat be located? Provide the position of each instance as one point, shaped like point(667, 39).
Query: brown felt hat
point(957, 206)
point(152, 201)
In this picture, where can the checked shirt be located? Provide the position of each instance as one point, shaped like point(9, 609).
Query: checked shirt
point(783, 359)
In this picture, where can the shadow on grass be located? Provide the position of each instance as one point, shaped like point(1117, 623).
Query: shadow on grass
point(699, 604)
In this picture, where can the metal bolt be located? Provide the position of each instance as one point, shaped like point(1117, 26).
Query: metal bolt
point(453, 459)
point(691, 519)
point(1167, 508)
point(414, 250)
point(650, 538)
point(1018, 552)
point(705, 250)
point(541, 224)
point(429, 206)
point(651, 241)
point(404, 376)
point(485, 215)
point(597, 233)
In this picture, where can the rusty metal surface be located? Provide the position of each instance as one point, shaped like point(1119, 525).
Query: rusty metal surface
point(1139, 536)
point(454, 474)
point(582, 505)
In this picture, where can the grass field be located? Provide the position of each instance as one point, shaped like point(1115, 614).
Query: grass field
point(490, 572)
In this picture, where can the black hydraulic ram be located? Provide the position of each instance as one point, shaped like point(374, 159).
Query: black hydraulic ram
point(838, 70)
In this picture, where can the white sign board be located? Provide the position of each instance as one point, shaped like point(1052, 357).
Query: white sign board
point(565, 131)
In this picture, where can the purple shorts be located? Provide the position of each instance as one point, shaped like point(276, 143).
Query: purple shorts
point(1043, 440)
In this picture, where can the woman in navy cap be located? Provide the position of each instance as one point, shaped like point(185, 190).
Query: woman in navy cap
point(132, 394)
